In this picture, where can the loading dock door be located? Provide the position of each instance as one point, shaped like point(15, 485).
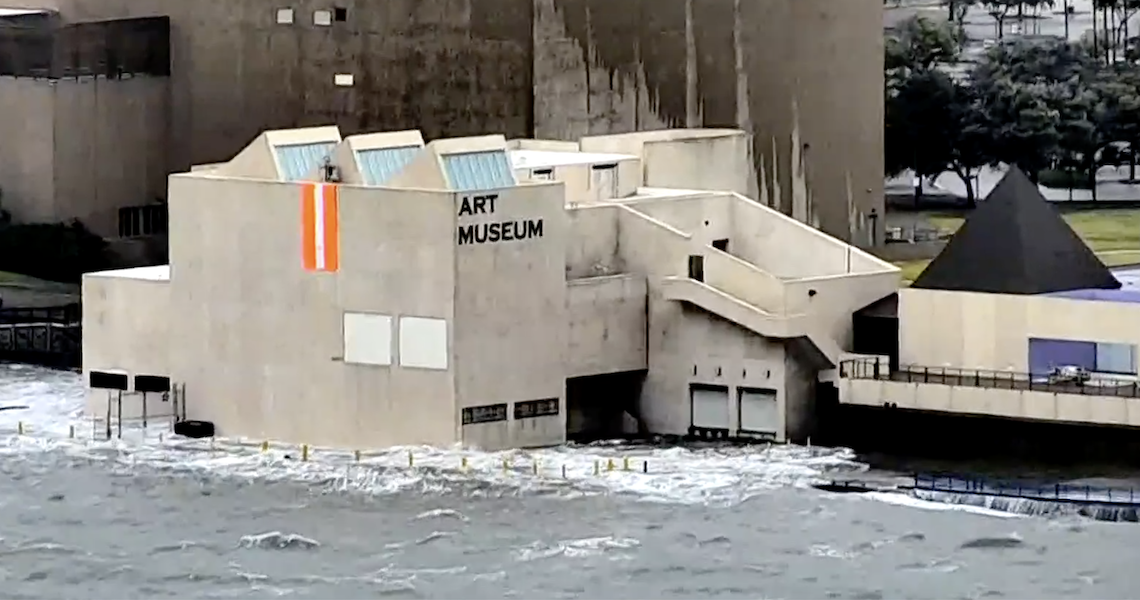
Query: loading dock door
point(710, 407)
point(759, 412)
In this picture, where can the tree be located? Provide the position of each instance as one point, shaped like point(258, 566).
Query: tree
point(1001, 9)
point(1122, 94)
point(935, 124)
point(917, 96)
point(973, 141)
point(919, 124)
point(920, 44)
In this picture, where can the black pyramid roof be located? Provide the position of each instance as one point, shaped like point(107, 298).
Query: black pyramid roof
point(1015, 242)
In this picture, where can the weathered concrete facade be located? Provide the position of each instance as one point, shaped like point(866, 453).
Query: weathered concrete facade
point(470, 290)
point(803, 76)
point(86, 116)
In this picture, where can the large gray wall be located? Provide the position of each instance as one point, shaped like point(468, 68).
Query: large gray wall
point(82, 148)
point(804, 76)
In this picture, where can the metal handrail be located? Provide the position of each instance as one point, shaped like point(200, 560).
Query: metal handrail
point(1058, 492)
point(877, 369)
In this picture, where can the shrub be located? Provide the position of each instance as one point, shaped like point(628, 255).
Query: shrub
point(1064, 180)
point(53, 251)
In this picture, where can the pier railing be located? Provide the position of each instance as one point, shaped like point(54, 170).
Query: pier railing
point(1058, 492)
point(1099, 385)
point(68, 314)
point(49, 335)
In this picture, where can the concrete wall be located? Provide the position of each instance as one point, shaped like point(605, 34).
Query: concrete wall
point(694, 159)
point(27, 168)
point(606, 325)
point(804, 77)
point(445, 67)
point(126, 328)
point(260, 343)
point(991, 331)
point(111, 144)
point(579, 180)
point(86, 148)
point(688, 346)
point(510, 315)
point(592, 244)
point(1014, 404)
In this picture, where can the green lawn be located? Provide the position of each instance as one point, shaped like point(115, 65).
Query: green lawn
point(1114, 234)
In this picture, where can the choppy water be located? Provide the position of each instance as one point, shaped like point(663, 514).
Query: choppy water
point(140, 518)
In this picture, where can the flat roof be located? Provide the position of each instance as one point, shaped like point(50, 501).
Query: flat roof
point(540, 159)
point(1129, 276)
point(1129, 292)
point(157, 273)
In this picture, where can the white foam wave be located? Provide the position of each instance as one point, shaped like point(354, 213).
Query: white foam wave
point(577, 548)
point(719, 475)
point(912, 502)
point(276, 540)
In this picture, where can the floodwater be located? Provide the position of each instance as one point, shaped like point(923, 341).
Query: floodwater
point(145, 517)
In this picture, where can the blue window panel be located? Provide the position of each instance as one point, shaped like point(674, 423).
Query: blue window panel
point(378, 165)
point(298, 161)
point(1116, 358)
point(475, 171)
point(1046, 354)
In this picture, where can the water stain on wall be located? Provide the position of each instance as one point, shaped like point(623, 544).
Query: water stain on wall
point(652, 36)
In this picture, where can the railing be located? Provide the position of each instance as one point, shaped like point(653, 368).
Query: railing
point(68, 314)
point(1059, 492)
point(1099, 385)
point(48, 336)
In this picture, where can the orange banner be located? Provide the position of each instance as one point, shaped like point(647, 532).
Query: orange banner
point(320, 227)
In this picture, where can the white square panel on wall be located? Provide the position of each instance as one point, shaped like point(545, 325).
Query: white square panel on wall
point(423, 343)
point(367, 339)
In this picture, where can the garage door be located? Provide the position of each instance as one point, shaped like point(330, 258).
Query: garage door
point(759, 412)
point(710, 407)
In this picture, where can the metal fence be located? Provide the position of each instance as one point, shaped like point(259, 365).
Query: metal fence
point(68, 314)
point(1099, 385)
point(1058, 492)
point(49, 336)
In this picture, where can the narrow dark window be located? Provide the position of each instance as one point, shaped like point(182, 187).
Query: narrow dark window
point(697, 267)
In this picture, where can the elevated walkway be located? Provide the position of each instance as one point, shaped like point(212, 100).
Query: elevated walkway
point(869, 381)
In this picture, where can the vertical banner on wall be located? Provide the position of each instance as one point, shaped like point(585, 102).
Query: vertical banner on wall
point(320, 227)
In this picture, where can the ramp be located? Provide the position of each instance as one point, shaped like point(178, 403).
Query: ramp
point(748, 316)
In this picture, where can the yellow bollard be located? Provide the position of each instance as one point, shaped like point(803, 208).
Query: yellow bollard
point(20, 428)
point(610, 464)
point(411, 460)
point(71, 432)
point(265, 446)
point(356, 456)
point(304, 452)
point(506, 466)
point(463, 464)
point(625, 464)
